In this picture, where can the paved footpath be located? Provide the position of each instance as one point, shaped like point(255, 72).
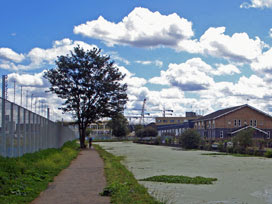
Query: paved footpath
point(80, 183)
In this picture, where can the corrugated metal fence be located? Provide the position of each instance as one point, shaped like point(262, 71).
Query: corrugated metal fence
point(23, 131)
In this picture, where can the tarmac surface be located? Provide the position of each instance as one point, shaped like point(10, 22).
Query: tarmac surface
point(80, 183)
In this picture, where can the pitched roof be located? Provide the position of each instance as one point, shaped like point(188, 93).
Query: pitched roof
point(248, 126)
point(225, 111)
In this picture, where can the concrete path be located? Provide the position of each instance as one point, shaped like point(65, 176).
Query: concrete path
point(80, 183)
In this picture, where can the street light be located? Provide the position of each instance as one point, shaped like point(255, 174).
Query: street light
point(31, 101)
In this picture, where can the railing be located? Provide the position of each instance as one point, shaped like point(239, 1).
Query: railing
point(23, 131)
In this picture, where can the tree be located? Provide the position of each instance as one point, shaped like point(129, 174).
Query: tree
point(138, 127)
point(119, 125)
point(244, 139)
point(90, 86)
point(190, 139)
point(147, 132)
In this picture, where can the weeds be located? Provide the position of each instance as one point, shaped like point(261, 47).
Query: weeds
point(268, 154)
point(181, 179)
point(23, 178)
point(229, 154)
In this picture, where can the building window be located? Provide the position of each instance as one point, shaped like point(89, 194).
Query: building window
point(268, 136)
point(221, 134)
point(239, 123)
point(172, 121)
point(235, 123)
point(255, 123)
point(213, 122)
point(165, 121)
point(159, 121)
point(251, 122)
point(229, 122)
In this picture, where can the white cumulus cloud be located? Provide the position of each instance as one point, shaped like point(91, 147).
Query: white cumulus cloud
point(9, 54)
point(263, 63)
point(130, 78)
point(35, 80)
point(193, 75)
point(226, 69)
point(157, 63)
point(141, 28)
point(39, 57)
point(270, 33)
point(237, 48)
point(257, 4)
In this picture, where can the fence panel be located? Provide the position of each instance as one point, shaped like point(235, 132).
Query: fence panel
point(22, 131)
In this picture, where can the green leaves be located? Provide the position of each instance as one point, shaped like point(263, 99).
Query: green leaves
point(181, 179)
point(89, 84)
point(190, 139)
point(22, 179)
point(119, 125)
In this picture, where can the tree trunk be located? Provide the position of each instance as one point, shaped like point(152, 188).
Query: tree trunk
point(82, 139)
point(82, 134)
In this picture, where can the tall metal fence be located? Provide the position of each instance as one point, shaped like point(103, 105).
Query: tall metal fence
point(23, 131)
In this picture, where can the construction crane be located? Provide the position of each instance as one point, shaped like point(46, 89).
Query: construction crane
point(164, 111)
point(142, 113)
point(141, 116)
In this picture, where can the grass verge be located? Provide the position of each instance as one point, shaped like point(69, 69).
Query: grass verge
point(22, 179)
point(121, 184)
point(181, 179)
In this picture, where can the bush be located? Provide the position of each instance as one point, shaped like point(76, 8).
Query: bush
point(181, 179)
point(190, 139)
point(147, 132)
point(119, 125)
point(221, 147)
point(268, 154)
point(230, 150)
point(243, 139)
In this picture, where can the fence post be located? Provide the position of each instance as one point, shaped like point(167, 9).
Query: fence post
point(18, 126)
point(11, 132)
point(24, 131)
point(28, 133)
point(3, 130)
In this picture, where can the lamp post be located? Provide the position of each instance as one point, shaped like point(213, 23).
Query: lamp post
point(31, 101)
point(26, 99)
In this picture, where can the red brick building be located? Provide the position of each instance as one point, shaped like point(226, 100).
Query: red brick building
point(227, 122)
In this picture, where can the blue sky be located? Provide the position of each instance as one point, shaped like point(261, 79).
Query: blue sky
point(182, 55)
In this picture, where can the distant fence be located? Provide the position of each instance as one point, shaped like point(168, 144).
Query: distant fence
point(23, 131)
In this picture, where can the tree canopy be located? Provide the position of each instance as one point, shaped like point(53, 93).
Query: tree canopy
point(190, 139)
point(119, 125)
point(146, 132)
point(90, 86)
point(244, 138)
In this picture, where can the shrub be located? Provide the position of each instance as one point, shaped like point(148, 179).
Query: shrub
point(243, 139)
point(268, 154)
point(230, 150)
point(181, 179)
point(147, 132)
point(190, 139)
point(221, 147)
point(119, 125)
